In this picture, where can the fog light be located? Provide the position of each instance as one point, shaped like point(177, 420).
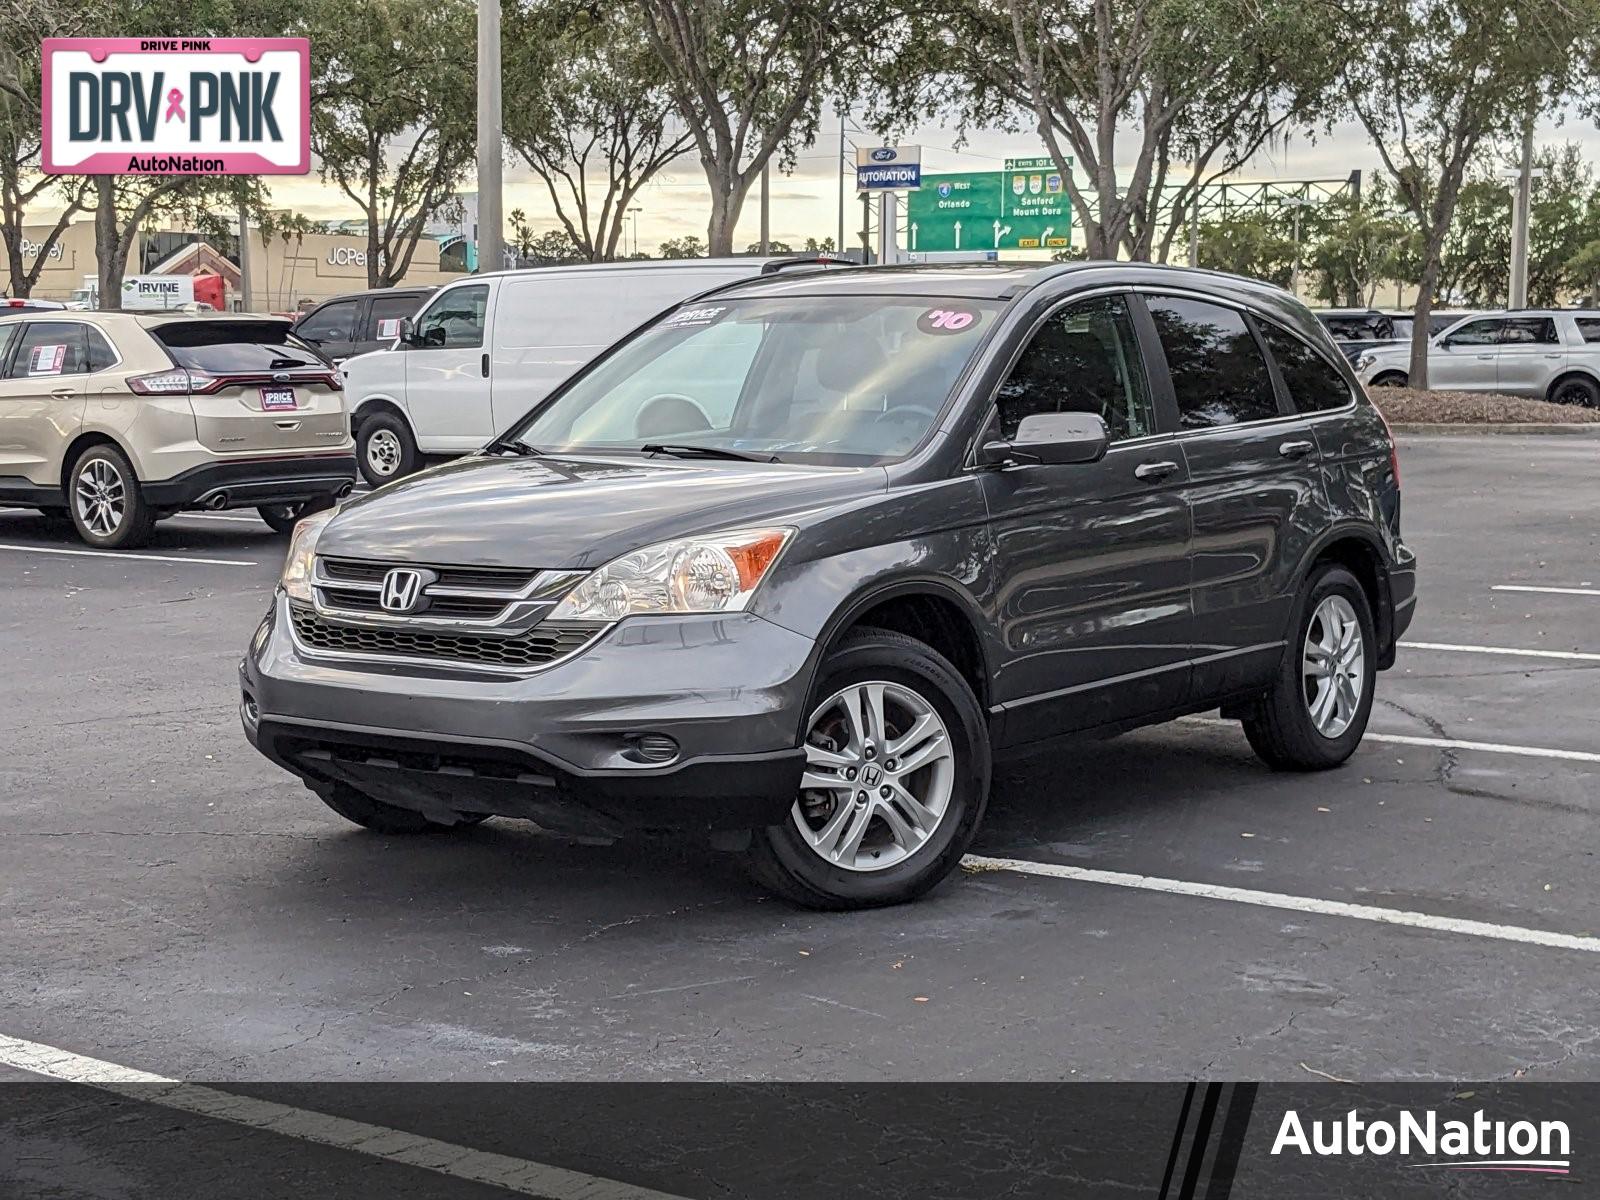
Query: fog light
point(652, 747)
point(247, 709)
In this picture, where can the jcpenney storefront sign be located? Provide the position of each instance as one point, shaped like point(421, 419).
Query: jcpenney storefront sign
point(177, 106)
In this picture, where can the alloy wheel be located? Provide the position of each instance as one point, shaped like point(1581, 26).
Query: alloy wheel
point(101, 496)
point(880, 770)
point(1334, 670)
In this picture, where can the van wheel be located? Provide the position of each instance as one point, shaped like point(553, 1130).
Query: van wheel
point(385, 449)
point(284, 517)
point(389, 818)
point(105, 504)
point(896, 779)
point(1316, 713)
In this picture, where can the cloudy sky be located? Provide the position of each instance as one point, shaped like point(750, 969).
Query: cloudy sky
point(805, 203)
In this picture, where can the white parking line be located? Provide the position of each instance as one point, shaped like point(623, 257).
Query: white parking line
point(1304, 904)
point(129, 556)
point(1406, 739)
point(1570, 655)
point(519, 1175)
point(199, 516)
point(1553, 591)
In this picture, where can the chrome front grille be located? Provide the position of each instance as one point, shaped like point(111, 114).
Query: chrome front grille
point(502, 600)
point(534, 648)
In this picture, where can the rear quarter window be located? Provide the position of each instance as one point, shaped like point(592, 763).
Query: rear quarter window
point(1313, 382)
point(1589, 328)
point(228, 347)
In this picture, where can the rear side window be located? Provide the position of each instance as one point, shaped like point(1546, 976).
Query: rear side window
point(331, 323)
point(1529, 331)
point(233, 347)
point(454, 319)
point(1084, 358)
point(1218, 372)
point(50, 348)
point(8, 334)
point(1314, 385)
point(1589, 327)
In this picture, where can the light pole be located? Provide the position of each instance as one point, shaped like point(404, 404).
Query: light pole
point(1521, 201)
point(633, 217)
point(1297, 203)
point(491, 231)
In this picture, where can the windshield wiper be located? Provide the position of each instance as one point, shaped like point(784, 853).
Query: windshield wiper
point(681, 450)
point(515, 445)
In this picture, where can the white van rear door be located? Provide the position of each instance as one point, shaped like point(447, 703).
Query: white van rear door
point(548, 326)
point(448, 369)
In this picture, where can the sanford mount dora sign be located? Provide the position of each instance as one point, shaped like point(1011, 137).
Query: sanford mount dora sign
point(177, 106)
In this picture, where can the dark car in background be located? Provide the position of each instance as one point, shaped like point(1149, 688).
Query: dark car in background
point(360, 321)
point(792, 564)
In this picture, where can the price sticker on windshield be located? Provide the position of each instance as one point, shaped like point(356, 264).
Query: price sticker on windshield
point(687, 318)
point(47, 360)
point(388, 327)
point(948, 320)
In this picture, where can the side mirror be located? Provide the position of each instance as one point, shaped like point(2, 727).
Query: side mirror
point(407, 332)
point(1052, 438)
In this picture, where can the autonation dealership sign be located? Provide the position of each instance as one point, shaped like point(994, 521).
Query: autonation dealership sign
point(177, 106)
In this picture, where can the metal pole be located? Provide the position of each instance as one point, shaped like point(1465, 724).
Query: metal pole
point(247, 298)
point(866, 227)
point(766, 207)
point(491, 232)
point(1294, 278)
point(1194, 231)
point(838, 246)
point(1521, 201)
point(887, 250)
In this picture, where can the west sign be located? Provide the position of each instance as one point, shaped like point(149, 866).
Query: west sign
point(177, 106)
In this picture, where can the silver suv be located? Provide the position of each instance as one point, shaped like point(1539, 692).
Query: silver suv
point(1549, 354)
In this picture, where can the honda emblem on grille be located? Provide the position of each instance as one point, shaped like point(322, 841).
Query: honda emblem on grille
point(402, 589)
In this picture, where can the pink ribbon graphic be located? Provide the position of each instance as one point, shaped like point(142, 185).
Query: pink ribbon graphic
point(174, 105)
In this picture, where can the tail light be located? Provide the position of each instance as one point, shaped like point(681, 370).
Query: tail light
point(1394, 450)
point(178, 382)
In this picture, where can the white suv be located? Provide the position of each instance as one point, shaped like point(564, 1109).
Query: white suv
point(1548, 354)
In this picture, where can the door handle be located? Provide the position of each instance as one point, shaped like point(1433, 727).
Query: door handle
point(1154, 470)
point(1296, 449)
point(1483, 356)
point(1552, 355)
point(66, 391)
point(485, 364)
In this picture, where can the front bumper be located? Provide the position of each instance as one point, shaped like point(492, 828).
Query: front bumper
point(248, 483)
point(559, 746)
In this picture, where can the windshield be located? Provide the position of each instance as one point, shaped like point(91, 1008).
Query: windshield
point(840, 379)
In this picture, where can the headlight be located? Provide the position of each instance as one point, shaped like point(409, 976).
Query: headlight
point(715, 573)
point(296, 578)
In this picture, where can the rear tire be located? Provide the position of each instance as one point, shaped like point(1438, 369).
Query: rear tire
point(385, 449)
point(104, 501)
point(282, 518)
point(389, 818)
point(900, 831)
point(1306, 722)
point(1578, 390)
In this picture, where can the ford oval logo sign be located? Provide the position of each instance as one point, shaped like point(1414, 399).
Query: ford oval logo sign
point(884, 154)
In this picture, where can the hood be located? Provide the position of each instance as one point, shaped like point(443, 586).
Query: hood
point(576, 513)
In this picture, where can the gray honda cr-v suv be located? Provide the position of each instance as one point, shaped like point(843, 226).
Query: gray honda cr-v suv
point(794, 562)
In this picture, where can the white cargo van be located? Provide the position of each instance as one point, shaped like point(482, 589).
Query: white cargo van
point(488, 348)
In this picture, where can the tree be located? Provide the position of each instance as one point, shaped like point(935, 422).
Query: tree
point(773, 247)
point(1255, 244)
point(1434, 81)
point(825, 246)
point(1196, 87)
point(1354, 246)
point(393, 121)
point(22, 186)
point(746, 78)
point(688, 246)
point(588, 110)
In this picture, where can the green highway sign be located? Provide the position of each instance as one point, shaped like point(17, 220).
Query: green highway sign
point(1025, 207)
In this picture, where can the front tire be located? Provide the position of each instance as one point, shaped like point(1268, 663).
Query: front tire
point(896, 781)
point(282, 518)
point(1316, 713)
point(1390, 379)
point(389, 818)
point(385, 449)
point(104, 501)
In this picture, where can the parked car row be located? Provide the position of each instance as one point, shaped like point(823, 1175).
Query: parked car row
point(1357, 329)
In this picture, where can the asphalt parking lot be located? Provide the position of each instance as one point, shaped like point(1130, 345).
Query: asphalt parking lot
point(1168, 908)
